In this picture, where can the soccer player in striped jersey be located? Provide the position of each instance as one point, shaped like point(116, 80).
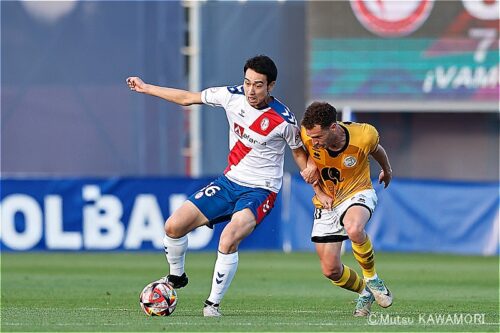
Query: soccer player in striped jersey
point(345, 199)
point(260, 127)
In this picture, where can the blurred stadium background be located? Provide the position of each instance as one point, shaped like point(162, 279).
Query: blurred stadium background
point(88, 165)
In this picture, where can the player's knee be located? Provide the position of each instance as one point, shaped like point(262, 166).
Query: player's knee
point(244, 220)
point(332, 272)
point(169, 230)
point(228, 244)
point(355, 231)
point(172, 230)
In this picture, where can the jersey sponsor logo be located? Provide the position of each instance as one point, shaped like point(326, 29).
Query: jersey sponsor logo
point(264, 124)
point(253, 141)
point(241, 113)
point(239, 130)
point(392, 18)
point(331, 174)
point(350, 161)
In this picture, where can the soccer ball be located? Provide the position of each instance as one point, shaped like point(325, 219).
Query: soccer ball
point(158, 299)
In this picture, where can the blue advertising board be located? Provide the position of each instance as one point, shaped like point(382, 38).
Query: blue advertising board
point(118, 214)
point(107, 214)
point(415, 216)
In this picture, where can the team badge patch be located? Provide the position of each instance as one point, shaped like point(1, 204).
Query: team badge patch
point(350, 161)
point(264, 124)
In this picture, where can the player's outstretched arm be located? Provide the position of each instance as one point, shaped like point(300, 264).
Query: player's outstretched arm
point(380, 156)
point(178, 96)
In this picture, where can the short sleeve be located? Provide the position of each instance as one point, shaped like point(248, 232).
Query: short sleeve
point(291, 134)
point(216, 96)
point(371, 136)
point(305, 138)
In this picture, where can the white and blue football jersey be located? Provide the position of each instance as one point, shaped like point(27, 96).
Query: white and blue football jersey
point(257, 137)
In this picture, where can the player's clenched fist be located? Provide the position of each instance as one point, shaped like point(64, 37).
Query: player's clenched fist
point(136, 84)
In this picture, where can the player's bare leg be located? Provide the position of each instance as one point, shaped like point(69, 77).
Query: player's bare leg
point(344, 276)
point(185, 219)
point(241, 225)
point(329, 258)
point(188, 217)
point(355, 221)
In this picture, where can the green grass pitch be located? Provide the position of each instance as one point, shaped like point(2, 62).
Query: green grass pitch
point(271, 292)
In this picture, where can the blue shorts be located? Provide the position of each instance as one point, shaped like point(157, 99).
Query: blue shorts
point(220, 199)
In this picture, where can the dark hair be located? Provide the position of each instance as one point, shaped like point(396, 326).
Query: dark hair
point(319, 113)
point(263, 65)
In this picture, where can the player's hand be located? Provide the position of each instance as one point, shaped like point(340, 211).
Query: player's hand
point(385, 177)
point(136, 84)
point(310, 175)
point(325, 200)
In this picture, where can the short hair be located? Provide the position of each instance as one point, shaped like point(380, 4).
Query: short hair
point(319, 113)
point(262, 64)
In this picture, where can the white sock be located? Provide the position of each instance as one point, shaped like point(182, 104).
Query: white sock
point(175, 251)
point(225, 268)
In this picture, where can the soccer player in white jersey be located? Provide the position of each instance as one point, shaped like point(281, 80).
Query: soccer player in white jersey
point(260, 127)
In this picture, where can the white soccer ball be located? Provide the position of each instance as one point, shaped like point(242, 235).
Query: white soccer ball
point(158, 299)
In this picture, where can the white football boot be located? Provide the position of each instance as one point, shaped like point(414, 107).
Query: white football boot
point(211, 310)
point(382, 294)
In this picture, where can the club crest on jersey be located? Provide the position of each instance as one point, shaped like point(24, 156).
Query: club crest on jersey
point(264, 124)
point(350, 161)
point(238, 130)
